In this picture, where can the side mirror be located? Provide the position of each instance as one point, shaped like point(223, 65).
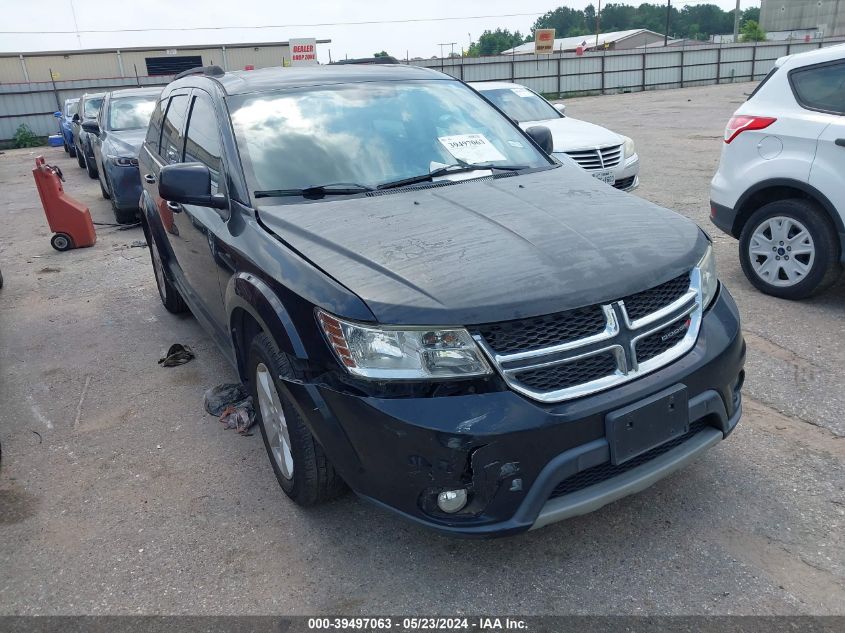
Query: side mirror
point(58, 115)
point(92, 127)
point(75, 118)
point(189, 183)
point(560, 107)
point(543, 137)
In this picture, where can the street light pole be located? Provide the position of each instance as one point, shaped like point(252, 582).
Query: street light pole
point(668, 13)
point(598, 24)
point(736, 23)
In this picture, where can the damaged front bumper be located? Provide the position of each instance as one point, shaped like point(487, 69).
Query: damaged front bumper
point(512, 453)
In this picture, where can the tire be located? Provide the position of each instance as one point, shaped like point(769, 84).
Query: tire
point(91, 167)
point(103, 190)
point(774, 268)
point(125, 216)
point(71, 150)
point(171, 299)
point(302, 469)
point(61, 242)
point(66, 148)
point(80, 158)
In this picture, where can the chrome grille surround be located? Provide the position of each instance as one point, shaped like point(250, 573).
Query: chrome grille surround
point(619, 337)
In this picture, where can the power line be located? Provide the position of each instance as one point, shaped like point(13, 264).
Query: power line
point(275, 26)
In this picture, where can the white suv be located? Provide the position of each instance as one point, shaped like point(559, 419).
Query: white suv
point(780, 186)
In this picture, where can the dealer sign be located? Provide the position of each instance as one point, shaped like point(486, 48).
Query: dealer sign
point(544, 41)
point(303, 51)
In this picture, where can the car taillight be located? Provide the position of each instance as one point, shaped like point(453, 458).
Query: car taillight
point(742, 122)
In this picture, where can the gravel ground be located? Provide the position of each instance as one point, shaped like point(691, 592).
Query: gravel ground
point(119, 495)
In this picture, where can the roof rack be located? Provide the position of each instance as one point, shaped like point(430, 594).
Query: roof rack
point(367, 60)
point(211, 71)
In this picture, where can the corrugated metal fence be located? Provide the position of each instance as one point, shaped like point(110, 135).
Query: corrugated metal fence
point(34, 103)
point(628, 70)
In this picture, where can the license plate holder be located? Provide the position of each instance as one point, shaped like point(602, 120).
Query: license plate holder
point(646, 424)
point(605, 175)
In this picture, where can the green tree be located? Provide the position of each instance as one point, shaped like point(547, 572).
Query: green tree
point(751, 32)
point(381, 54)
point(752, 13)
point(565, 21)
point(25, 137)
point(494, 42)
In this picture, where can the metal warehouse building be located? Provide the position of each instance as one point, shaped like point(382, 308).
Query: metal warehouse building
point(34, 85)
point(827, 16)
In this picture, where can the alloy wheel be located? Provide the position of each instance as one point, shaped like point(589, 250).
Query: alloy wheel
point(781, 251)
point(273, 418)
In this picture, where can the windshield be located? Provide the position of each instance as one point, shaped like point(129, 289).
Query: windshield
point(521, 104)
point(71, 108)
point(372, 133)
point(92, 107)
point(130, 113)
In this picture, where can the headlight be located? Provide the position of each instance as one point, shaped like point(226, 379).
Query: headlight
point(124, 161)
point(709, 282)
point(629, 148)
point(402, 353)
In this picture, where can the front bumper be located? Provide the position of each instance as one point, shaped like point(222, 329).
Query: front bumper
point(512, 452)
point(628, 174)
point(125, 185)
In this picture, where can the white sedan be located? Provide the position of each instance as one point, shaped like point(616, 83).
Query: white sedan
point(608, 156)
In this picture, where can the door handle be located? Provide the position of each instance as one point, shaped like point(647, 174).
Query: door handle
point(174, 206)
point(149, 179)
point(840, 142)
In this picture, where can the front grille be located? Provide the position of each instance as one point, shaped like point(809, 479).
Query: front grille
point(624, 183)
point(575, 353)
point(643, 303)
point(663, 340)
point(569, 374)
point(529, 334)
point(603, 472)
point(593, 159)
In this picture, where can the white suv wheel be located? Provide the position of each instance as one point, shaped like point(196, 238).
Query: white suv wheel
point(781, 251)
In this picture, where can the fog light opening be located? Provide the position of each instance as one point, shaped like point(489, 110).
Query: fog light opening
point(451, 501)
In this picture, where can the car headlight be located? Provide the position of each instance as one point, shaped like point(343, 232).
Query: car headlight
point(124, 161)
point(629, 147)
point(709, 281)
point(402, 353)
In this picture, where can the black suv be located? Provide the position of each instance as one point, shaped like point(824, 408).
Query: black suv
point(426, 306)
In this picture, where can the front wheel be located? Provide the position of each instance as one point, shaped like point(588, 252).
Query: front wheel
point(789, 249)
point(301, 467)
point(61, 242)
point(91, 167)
point(80, 158)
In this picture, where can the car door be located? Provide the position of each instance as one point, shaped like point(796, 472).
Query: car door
point(200, 228)
point(822, 88)
point(97, 141)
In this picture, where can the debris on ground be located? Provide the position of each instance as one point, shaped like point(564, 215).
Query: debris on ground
point(178, 354)
point(138, 244)
point(232, 404)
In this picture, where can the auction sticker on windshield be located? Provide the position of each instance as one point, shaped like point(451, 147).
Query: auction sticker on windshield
point(472, 148)
point(522, 92)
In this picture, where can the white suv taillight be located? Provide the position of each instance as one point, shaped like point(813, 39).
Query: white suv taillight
point(741, 122)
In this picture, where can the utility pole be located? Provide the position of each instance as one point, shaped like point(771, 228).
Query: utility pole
point(75, 25)
point(598, 24)
point(736, 23)
point(452, 44)
point(668, 13)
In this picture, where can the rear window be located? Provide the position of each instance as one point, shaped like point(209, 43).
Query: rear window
point(820, 87)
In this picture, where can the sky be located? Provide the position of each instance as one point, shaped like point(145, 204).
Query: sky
point(412, 28)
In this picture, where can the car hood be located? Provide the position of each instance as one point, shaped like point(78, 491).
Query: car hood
point(125, 142)
point(490, 250)
point(571, 134)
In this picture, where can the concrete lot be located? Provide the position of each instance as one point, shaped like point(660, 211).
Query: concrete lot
point(119, 495)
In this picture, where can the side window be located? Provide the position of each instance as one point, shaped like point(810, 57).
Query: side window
point(202, 143)
point(820, 87)
point(154, 129)
point(172, 142)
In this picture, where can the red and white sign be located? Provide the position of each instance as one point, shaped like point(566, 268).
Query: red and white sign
point(544, 41)
point(303, 51)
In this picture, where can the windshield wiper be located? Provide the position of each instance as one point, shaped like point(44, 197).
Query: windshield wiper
point(460, 168)
point(316, 191)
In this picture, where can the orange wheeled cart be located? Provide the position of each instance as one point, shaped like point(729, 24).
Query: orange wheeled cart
point(68, 219)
